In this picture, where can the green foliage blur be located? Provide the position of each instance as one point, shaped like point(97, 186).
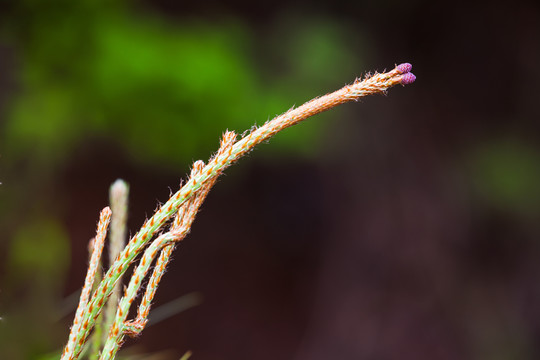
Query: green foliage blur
point(161, 90)
point(506, 174)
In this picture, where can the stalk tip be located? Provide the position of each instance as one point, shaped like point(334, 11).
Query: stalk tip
point(404, 68)
point(408, 78)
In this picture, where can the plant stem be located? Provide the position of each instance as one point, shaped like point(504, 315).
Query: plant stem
point(378, 83)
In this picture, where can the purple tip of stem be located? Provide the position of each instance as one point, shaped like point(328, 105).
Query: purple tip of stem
point(404, 68)
point(408, 78)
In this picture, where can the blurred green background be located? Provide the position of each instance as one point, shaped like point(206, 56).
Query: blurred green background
point(406, 224)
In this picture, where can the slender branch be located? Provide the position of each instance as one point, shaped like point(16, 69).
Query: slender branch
point(118, 197)
point(80, 321)
point(179, 229)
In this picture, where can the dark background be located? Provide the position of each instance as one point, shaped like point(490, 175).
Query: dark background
point(402, 227)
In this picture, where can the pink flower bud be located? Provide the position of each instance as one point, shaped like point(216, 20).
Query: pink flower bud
point(408, 78)
point(404, 68)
